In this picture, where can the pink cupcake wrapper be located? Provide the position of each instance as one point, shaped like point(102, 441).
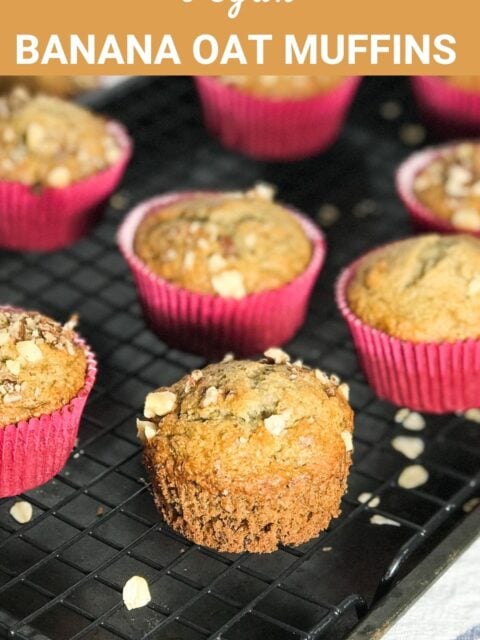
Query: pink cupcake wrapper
point(56, 218)
point(212, 325)
point(274, 129)
point(34, 451)
point(447, 107)
point(432, 377)
point(424, 218)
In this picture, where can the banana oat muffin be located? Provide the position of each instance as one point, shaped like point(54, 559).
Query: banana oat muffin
point(423, 289)
point(42, 367)
point(292, 87)
point(449, 185)
point(61, 86)
point(49, 142)
point(244, 456)
point(230, 244)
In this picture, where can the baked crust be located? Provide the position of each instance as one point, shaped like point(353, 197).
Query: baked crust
point(229, 244)
point(250, 454)
point(286, 87)
point(423, 289)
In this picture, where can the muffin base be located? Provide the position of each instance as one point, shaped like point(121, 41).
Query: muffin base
point(237, 520)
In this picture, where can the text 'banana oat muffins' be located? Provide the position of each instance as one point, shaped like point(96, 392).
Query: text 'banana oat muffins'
point(46, 373)
point(221, 272)
point(440, 187)
point(276, 117)
point(58, 162)
point(244, 456)
point(413, 309)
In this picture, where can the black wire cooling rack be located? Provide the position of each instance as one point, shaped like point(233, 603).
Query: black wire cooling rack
point(95, 526)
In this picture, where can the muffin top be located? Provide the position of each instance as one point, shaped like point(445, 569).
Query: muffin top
point(230, 244)
point(449, 186)
point(423, 289)
point(61, 86)
point(468, 83)
point(267, 420)
point(49, 142)
point(41, 366)
point(293, 87)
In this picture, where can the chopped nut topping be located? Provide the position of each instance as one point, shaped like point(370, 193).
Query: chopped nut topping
point(250, 240)
point(196, 375)
point(474, 286)
point(211, 396)
point(473, 415)
point(13, 366)
point(409, 446)
point(189, 260)
point(59, 177)
point(229, 284)
point(412, 477)
point(146, 430)
point(159, 404)
point(22, 512)
point(136, 593)
point(29, 350)
point(276, 423)
point(277, 355)
point(228, 357)
point(344, 389)
point(322, 376)
point(262, 190)
point(382, 520)
point(348, 440)
point(216, 263)
point(466, 219)
point(35, 137)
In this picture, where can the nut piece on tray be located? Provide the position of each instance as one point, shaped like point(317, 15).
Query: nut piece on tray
point(245, 455)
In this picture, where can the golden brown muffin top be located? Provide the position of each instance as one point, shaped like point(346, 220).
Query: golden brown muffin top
point(41, 366)
point(293, 87)
point(269, 421)
point(449, 186)
point(423, 289)
point(60, 86)
point(230, 244)
point(468, 83)
point(49, 142)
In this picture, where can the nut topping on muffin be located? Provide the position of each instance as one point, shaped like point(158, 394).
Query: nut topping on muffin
point(51, 142)
point(34, 354)
point(228, 244)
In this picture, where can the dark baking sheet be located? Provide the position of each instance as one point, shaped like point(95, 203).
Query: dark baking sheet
point(94, 526)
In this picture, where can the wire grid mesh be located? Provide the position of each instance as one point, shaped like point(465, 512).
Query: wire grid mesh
point(95, 525)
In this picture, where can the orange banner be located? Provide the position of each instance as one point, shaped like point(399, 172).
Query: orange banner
point(239, 36)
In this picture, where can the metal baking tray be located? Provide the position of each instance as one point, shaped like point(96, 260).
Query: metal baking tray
point(95, 525)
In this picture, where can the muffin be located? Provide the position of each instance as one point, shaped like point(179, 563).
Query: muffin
point(46, 374)
point(244, 456)
point(440, 187)
point(451, 104)
point(60, 86)
point(276, 117)
point(58, 162)
point(222, 271)
point(413, 308)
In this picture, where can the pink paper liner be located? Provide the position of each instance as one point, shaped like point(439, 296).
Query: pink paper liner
point(56, 218)
point(212, 325)
point(432, 377)
point(422, 217)
point(34, 451)
point(448, 108)
point(274, 129)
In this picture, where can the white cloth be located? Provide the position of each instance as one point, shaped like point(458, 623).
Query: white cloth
point(450, 609)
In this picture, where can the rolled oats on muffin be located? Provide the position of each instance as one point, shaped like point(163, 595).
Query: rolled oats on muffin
point(58, 162)
point(413, 308)
point(244, 455)
point(46, 374)
point(276, 117)
point(220, 272)
point(441, 187)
